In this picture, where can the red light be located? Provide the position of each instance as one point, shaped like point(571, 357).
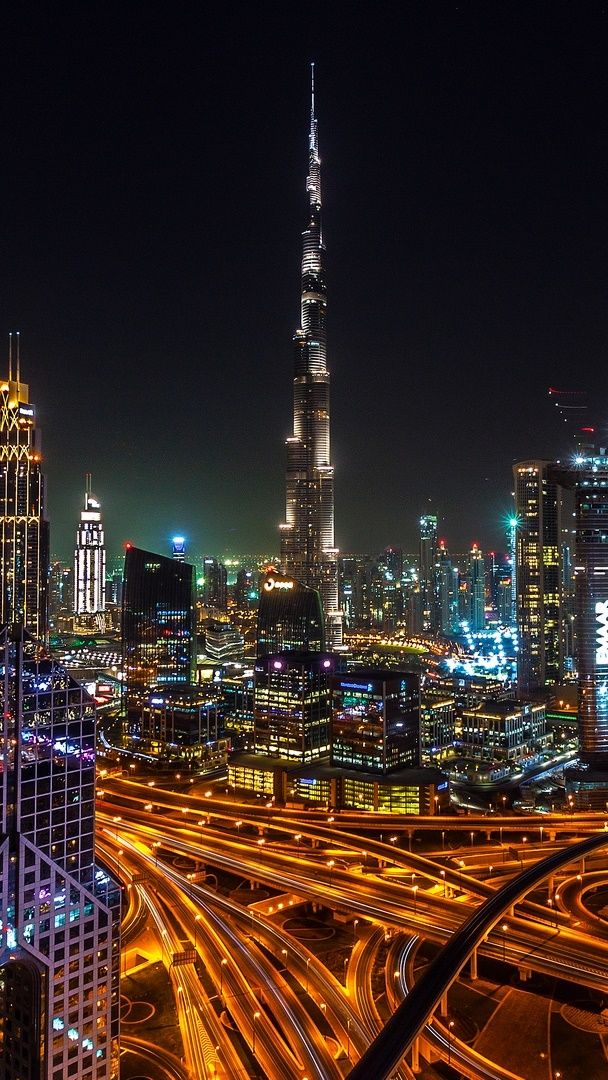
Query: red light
point(128, 545)
point(587, 429)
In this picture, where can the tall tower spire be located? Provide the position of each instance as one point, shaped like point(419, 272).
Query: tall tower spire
point(307, 537)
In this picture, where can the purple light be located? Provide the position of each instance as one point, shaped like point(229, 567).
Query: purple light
point(327, 663)
point(277, 665)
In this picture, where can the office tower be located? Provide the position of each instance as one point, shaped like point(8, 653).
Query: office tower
point(215, 584)
point(60, 911)
point(477, 578)
point(178, 548)
point(292, 705)
point(541, 511)
point(512, 535)
point(24, 530)
point(504, 597)
point(590, 479)
point(427, 575)
point(223, 643)
point(158, 626)
point(290, 616)
point(90, 559)
point(448, 592)
point(307, 537)
point(376, 720)
point(61, 593)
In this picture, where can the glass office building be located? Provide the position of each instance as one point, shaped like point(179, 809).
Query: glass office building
point(376, 721)
point(59, 909)
point(290, 617)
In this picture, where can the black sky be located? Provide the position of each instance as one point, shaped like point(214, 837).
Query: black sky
point(153, 197)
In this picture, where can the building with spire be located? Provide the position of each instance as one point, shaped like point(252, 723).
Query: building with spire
point(307, 536)
point(24, 530)
point(90, 563)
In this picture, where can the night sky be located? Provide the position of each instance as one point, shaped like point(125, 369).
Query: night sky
point(152, 202)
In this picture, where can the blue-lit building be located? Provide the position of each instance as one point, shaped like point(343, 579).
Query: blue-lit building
point(376, 720)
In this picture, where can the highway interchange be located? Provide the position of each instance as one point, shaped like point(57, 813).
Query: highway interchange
point(253, 999)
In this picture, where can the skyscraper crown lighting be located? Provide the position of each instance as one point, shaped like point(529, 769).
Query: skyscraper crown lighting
point(307, 537)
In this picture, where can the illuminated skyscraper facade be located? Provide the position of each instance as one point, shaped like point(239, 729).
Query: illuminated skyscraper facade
point(90, 559)
point(59, 909)
point(307, 536)
point(591, 582)
point(477, 578)
point(428, 598)
point(24, 531)
point(542, 530)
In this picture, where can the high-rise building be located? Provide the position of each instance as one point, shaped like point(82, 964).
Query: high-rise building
point(477, 577)
point(24, 530)
point(158, 626)
point(215, 584)
point(427, 575)
point(376, 720)
point(307, 537)
point(590, 479)
point(448, 592)
point(292, 706)
point(290, 616)
point(223, 643)
point(59, 909)
point(90, 559)
point(541, 511)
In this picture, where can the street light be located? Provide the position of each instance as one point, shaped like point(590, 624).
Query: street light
point(504, 929)
point(348, 1038)
point(355, 925)
point(472, 838)
point(442, 873)
point(331, 864)
point(450, 1029)
point(256, 1016)
point(415, 890)
point(223, 963)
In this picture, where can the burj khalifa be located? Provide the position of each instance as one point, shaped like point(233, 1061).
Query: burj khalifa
point(307, 536)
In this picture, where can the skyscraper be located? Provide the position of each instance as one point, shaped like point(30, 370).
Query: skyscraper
point(541, 532)
point(428, 621)
point(307, 537)
point(290, 617)
point(59, 909)
point(477, 575)
point(90, 559)
point(158, 635)
point(24, 530)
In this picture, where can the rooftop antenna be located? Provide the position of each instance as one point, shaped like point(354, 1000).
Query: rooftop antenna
point(18, 357)
point(10, 356)
point(312, 89)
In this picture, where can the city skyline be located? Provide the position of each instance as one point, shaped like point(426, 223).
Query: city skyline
point(454, 293)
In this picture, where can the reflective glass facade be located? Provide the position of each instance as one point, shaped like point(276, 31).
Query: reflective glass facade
point(591, 580)
point(292, 706)
point(290, 617)
point(376, 721)
point(59, 910)
point(157, 620)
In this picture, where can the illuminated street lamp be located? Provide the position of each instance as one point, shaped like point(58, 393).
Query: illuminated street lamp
point(348, 1038)
point(223, 963)
point(504, 929)
point(442, 873)
point(472, 838)
point(450, 1029)
point(355, 925)
point(307, 966)
point(415, 890)
point(331, 864)
point(256, 1016)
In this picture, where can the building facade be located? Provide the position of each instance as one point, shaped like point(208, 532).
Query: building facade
point(24, 530)
point(542, 528)
point(292, 706)
point(428, 621)
point(90, 560)
point(59, 909)
point(308, 550)
point(158, 627)
point(376, 721)
point(290, 616)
